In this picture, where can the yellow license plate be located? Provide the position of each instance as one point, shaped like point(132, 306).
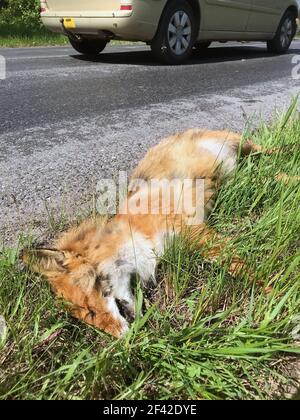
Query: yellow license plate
point(69, 23)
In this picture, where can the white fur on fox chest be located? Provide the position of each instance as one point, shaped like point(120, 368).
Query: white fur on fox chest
point(137, 255)
point(223, 152)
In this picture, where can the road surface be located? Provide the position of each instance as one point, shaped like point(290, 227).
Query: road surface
point(66, 121)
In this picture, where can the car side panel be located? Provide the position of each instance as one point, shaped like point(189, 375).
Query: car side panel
point(266, 15)
point(225, 15)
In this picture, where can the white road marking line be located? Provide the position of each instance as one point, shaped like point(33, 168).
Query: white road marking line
point(36, 57)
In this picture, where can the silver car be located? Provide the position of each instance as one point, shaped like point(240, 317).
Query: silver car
point(172, 27)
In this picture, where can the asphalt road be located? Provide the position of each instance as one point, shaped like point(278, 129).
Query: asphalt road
point(66, 122)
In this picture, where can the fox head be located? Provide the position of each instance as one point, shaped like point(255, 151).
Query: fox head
point(78, 281)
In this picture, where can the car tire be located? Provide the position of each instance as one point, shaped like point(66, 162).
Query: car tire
point(176, 34)
point(284, 34)
point(202, 46)
point(88, 46)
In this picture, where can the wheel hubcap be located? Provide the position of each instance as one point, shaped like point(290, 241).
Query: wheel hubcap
point(179, 33)
point(286, 34)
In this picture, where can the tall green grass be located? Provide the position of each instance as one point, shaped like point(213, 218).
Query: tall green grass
point(20, 35)
point(204, 335)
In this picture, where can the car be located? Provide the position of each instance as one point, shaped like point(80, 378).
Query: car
point(173, 28)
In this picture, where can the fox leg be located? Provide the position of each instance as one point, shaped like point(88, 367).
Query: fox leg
point(249, 147)
point(212, 246)
point(287, 179)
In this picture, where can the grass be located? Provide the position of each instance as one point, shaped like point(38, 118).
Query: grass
point(18, 35)
point(204, 335)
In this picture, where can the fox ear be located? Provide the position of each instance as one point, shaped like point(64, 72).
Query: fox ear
point(44, 261)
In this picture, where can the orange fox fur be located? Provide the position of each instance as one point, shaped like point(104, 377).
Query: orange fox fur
point(91, 265)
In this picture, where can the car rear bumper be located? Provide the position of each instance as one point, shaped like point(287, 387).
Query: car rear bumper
point(120, 24)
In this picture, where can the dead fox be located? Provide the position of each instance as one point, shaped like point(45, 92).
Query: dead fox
point(91, 266)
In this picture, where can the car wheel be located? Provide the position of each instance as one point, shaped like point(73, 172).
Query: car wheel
point(88, 46)
point(202, 46)
point(176, 33)
point(284, 35)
